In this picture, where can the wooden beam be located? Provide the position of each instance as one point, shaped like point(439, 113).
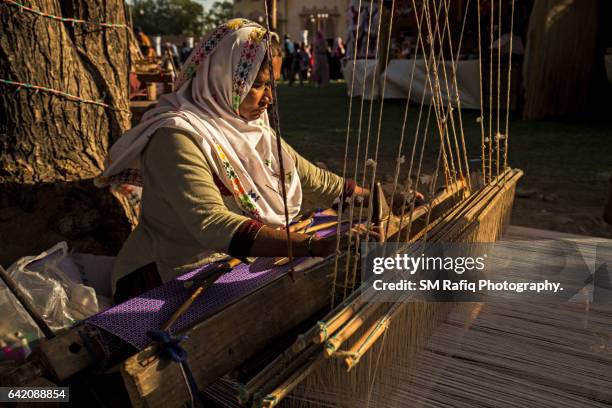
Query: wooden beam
point(65, 355)
point(157, 77)
point(273, 15)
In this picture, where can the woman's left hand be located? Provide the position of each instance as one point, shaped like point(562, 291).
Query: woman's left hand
point(405, 200)
point(376, 233)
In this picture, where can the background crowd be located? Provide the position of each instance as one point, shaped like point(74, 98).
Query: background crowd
point(318, 63)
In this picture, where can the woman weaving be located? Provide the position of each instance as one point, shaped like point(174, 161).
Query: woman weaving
point(210, 169)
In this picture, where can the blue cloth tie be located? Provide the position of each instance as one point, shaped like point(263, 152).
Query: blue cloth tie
point(170, 345)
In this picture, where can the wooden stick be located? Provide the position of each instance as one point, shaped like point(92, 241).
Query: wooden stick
point(352, 305)
point(262, 377)
point(280, 392)
point(398, 224)
point(320, 227)
point(277, 371)
point(229, 264)
point(300, 225)
point(496, 189)
point(223, 268)
point(365, 342)
point(349, 329)
point(338, 320)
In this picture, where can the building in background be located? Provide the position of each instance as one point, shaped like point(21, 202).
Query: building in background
point(300, 19)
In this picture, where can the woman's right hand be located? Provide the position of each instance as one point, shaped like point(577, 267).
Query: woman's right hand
point(323, 247)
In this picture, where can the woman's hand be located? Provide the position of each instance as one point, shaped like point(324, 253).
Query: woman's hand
point(399, 200)
point(403, 201)
point(271, 242)
point(323, 247)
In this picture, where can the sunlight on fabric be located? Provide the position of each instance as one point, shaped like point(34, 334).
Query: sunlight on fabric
point(151, 306)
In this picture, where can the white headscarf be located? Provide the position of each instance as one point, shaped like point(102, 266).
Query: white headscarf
point(212, 84)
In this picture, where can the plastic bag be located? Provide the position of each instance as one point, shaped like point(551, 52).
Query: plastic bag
point(17, 329)
point(58, 286)
point(60, 300)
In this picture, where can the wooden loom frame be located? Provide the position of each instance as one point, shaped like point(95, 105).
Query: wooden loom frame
point(242, 329)
point(227, 339)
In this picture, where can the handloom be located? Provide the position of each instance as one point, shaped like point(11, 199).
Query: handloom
point(275, 335)
point(511, 353)
point(370, 335)
point(131, 320)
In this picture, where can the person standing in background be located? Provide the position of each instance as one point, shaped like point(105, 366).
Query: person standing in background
point(289, 49)
point(294, 69)
point(184, 53)
point(308, 49)
point(320, 70)
point(300, 64)
point(337, 57)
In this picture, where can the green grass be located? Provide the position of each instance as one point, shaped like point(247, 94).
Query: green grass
point(571, 159)
point(314, 120)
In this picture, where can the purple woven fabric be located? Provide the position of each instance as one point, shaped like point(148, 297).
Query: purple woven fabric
point(131, 320)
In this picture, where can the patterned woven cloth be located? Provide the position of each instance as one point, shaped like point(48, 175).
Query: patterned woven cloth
point(131, 320)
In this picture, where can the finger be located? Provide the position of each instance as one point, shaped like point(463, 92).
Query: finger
point(362, 231)
point(376, 236)
point(378, 233)
point(359, 229)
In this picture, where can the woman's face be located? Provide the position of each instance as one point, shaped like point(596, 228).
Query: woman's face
point(259, 97)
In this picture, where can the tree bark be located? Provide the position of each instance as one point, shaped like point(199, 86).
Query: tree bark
point(52, 147)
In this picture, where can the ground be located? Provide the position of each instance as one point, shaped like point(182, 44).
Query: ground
point(567, 163)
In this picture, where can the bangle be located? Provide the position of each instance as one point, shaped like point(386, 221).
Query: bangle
point(309, 246)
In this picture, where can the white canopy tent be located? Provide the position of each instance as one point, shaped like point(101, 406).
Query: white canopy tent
point(398, 75)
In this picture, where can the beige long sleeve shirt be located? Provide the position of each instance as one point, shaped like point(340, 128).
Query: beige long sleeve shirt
point(184, 214)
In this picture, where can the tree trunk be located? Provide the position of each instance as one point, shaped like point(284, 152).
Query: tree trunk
point(559, 57)
point(52, 147)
